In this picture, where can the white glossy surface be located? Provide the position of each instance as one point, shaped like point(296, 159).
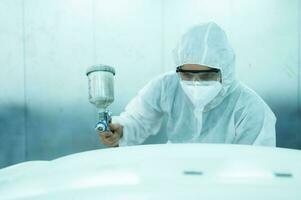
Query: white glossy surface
point(173, 171)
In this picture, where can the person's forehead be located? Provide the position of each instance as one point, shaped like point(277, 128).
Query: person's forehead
point(194, 67)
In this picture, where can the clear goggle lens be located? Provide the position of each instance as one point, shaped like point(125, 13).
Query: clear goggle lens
point(212, 74)
point(208, 76)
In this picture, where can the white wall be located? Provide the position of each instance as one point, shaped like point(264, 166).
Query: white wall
point(46, 46)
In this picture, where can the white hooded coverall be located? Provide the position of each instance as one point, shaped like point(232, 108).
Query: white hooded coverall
point(237, 115)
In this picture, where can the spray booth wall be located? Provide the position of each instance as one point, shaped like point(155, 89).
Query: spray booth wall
point(46, 46)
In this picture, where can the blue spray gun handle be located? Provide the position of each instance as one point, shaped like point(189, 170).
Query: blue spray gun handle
point(105, 119)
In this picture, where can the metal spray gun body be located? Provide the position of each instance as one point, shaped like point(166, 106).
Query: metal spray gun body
point(101, 93)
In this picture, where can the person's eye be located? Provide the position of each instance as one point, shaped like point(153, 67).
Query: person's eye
point(187, 76)
point(204, 76)
point(206, 79)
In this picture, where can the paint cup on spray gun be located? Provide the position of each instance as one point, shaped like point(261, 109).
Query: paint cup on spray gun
point(101, 93)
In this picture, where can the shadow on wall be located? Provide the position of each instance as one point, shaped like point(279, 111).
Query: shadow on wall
point(12, 135)
point(60, 131)
point(288, 127)
point(44, 135)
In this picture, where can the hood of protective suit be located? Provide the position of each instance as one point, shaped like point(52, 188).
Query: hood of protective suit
point(207, 45)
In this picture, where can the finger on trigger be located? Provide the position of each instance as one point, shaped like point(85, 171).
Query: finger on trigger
point(107, 134)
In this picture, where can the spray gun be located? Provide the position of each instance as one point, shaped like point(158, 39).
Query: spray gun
point(101, 93)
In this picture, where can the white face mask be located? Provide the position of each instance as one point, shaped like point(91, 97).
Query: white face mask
point(201, 93)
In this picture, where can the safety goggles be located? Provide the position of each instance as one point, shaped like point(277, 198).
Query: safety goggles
point(199, 75)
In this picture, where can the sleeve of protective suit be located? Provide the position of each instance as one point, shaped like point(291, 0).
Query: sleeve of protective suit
point(143, 115)
point(256, 125)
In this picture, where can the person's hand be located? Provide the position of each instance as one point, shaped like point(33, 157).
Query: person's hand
point(112, 137)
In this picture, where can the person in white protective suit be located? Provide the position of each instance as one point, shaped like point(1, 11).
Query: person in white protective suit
point(202, 100)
